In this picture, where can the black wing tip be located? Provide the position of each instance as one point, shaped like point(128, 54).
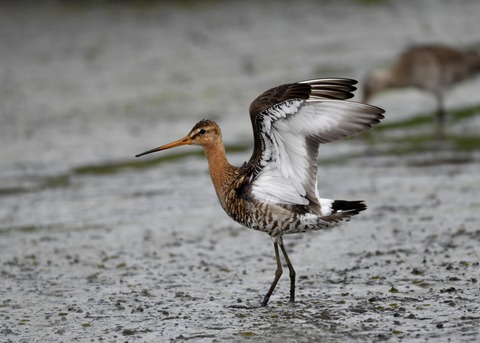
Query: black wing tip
point(378, 112)
point(349, 208)
point(331, 80)
point(336, 88)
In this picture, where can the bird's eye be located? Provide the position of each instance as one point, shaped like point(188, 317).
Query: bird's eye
point(202, 132)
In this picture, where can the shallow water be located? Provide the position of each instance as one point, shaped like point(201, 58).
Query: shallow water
point(96, 245)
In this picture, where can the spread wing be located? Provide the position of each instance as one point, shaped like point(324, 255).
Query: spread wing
point(289, 123)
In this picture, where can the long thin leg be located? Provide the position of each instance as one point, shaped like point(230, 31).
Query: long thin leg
point(441, 113)
point(278, 273)
point(292, 273)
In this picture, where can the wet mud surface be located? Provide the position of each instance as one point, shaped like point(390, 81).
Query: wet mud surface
point(408, 269)
point(98, 246)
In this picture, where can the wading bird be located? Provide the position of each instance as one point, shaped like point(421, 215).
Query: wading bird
point(276, 190)
point(434, 68)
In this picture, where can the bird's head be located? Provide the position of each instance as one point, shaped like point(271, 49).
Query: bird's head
point(375, 82)
point(205, 133)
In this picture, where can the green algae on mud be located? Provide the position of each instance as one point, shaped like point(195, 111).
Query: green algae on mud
point(399, 146)
point(413, 142)
point(453, 115)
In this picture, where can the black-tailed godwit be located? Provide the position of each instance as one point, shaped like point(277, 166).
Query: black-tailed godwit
point(276, 190)
point(434, 68)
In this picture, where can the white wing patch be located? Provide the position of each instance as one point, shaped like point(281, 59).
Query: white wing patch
point(283, 157)
point(286, 171)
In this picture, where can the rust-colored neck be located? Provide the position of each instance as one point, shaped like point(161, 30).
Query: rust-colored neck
point(221, 171)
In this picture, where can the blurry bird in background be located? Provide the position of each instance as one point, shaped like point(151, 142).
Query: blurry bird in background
point(434, 68)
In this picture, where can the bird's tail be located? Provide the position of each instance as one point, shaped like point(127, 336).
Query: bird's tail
point(342, 210)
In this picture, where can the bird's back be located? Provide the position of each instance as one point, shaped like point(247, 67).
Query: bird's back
point(435, 67)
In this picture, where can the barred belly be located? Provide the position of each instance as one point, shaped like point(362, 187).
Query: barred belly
point(276, 220)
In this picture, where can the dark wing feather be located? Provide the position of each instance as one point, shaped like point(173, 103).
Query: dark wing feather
point(326, 88)
point(289, 123)
point(333, 88)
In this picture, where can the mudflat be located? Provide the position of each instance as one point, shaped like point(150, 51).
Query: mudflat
point(96, 245)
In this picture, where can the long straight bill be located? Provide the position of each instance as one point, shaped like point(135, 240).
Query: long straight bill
point(183, 141)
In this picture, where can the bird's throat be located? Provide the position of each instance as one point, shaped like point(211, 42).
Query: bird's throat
point(221, 171)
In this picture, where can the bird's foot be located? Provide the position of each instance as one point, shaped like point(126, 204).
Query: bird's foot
point(265, 300)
